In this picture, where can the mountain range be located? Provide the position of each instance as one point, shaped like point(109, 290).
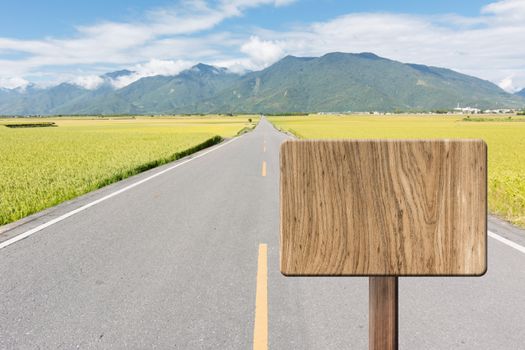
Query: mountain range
point(335, 82)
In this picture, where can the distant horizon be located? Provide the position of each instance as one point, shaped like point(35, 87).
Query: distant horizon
point(51, 43)
point(444, 112)
point(125, 82)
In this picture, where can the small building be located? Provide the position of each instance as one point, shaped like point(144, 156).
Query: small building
point(467, 110)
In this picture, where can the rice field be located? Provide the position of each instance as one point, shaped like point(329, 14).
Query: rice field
point(504, 136)
point(43, 166)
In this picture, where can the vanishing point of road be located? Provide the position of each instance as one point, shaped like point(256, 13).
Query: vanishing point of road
point(186, 256)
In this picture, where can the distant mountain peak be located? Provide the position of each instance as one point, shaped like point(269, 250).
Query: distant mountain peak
point(117, 74)
point(203, 68)
point(66, 87)
point(27, 88)
point(66, 84)
point(296, 58)
point(370, 55)
point(337, 53)
point(521, 93)
point(342, 55)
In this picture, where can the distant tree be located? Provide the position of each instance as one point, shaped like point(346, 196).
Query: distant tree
point(249, 120)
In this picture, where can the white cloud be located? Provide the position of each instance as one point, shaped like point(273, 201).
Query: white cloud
point(152, 68)
point(90, 82)
point(162, 33)
point(506, 10)
point(262, 53)
point(13, 83)
point(236, 65)
point(508, 84)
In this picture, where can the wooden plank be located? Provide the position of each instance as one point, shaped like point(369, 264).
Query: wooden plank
point(383, 316)
point(383, 207)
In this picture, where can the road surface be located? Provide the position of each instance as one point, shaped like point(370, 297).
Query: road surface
point(177, 261)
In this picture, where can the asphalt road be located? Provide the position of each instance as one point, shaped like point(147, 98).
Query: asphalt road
point(172, 263)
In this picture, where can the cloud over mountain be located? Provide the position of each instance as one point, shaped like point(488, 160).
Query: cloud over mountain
point(335, 82)
point(168, 39)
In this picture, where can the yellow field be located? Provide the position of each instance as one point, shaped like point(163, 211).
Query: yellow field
point(41, 167)
point(505, 139)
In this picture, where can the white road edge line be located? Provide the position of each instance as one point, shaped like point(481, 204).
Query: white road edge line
point(100, 200)
point(507, 242)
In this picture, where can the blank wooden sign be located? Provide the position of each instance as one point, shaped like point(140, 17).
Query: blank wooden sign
point(384, 207)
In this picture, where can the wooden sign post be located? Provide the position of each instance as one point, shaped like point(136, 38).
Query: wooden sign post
point(384, 208)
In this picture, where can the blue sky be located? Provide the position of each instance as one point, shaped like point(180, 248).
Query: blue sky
point(51, 41)
point(25, 20)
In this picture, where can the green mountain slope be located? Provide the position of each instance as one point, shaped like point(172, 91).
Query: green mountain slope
point(33, 100)
point(157, 94)
point(356, 82)
point(336, 82)
point(168, 94)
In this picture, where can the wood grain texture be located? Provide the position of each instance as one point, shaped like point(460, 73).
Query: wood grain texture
point(383, 207)
point(383, 313)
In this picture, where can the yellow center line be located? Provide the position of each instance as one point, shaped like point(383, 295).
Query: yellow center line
point(260, 329)
point(264, 168)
